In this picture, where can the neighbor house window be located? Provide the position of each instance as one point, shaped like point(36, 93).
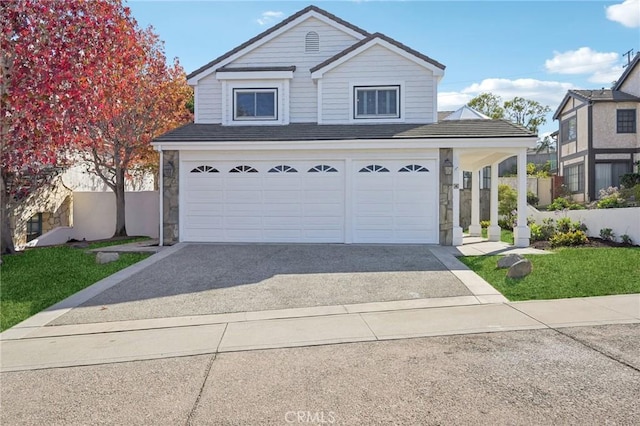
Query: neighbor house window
point(486, 177)
point(574, 177)
point(34, 227)
point(255, 104)
point(608, 174)
point(568, 130)
point(377, 102)
point(626, 122)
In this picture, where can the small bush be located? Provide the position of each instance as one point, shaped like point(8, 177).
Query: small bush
point(566, 225)
point(626, 239)
point(532, 198)
point(607, 234)
point(543, 232)
point(610, 198)
point(562, 203)
point(630, 180)
point(485, 224)
point(571, 238)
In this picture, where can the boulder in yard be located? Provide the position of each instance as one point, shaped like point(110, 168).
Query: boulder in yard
point(508, 260)
point(103, 257)
point(520, 269)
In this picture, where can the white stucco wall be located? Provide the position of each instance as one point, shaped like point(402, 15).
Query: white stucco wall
point(621, 221)
point(94, 214)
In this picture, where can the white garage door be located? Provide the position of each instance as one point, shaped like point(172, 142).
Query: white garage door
point(304, 201)
point(395, 202)
point(264, 202)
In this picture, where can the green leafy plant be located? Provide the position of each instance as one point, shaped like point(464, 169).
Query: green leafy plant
point(626, 239)
point(571, 238)
point(630, 180)
point(610, 198)
point(532, 198)
point(544, 231)
point(485, 223)
point(607, 234)
point(562, 203)
point(507, 206)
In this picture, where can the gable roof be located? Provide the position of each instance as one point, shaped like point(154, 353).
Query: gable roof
point(272, 30)
point(475, 129)
point(627, 71)
point(360, 46)
point(599, 95)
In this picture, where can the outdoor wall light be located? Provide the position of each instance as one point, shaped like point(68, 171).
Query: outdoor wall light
point(447, 166)
point(167, 169)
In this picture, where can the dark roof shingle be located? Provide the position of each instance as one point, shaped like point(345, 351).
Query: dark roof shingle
point(311, 131)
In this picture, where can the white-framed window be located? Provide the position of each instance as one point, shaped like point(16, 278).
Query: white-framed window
point(574, 177)
point(255, 104)
point(376, 102)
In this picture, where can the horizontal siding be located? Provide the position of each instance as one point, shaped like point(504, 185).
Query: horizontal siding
point(208, 104)
point(288, 49)
point(379, 65)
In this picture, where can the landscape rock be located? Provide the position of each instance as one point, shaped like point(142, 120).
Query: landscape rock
point(509, 260)
point(103, 257)
point(520, 269)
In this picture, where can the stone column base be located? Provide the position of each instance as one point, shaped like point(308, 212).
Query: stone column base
point(521, 236)
point(457, 236)
point(493, 233)
point(475, 230)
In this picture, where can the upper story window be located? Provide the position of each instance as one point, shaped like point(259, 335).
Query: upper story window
point(377, 102)
point(312, 42)
point(626, 120)
point(568, 130)
point(255, 104)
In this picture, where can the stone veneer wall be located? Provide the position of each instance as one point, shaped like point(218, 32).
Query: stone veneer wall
point(446, 199)
point(170, 199)
point(54, 201)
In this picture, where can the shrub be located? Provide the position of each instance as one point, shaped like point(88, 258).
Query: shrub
point(485, 224)
point(610, 198)
point(562, 203)
point(626, 239)
point(630, 180)
point(543, 232)
point(532, 198)
point(571, 238)
point(607, 234)
point(507, 206)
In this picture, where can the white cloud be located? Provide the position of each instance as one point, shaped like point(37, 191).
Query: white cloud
point(546, 92)
point(581, 61)
point(269, 16)
point(608, 76)
point(626, 13)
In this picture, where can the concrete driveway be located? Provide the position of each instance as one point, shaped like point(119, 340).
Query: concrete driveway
point(199, 279)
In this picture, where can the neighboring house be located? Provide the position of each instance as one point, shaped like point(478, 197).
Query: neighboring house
point(319, 131)
point(598, 139)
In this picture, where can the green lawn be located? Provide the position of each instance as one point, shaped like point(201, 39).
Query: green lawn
point(570, 272)
point(38, 278)
point(505, 235)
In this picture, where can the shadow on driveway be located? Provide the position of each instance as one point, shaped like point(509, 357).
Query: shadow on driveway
point(221, 278)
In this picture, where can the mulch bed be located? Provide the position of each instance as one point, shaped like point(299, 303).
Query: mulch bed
point(593, 242)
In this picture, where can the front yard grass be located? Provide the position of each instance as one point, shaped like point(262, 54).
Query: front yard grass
point(569, 272)
point(39, 278)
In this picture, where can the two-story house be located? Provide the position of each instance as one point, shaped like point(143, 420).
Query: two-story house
point(598, 139)
point(318, 131)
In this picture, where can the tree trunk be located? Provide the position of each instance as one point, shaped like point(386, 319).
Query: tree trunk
point(121, 229)
point(6, 237)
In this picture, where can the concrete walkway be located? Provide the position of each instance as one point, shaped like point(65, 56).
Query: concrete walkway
point(35, 344)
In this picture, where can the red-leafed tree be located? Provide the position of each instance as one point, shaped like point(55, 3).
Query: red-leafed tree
point(143, 98)
point(52, 65)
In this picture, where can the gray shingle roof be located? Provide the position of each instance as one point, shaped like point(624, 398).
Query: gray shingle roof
point(273, 29)
point(605, 95)
point(311, 131)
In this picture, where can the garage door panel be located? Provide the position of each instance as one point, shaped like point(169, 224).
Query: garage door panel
point(242, 196)
point(281, 209)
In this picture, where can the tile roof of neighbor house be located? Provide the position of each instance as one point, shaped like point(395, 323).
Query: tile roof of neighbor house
point(627, 71)
point(310, 131)
point(373, 37)
point(275, 28)
point(599, 95)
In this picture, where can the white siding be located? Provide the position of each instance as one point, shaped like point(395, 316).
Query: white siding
point(379, 65)
point(208, 103)
point(285, 50)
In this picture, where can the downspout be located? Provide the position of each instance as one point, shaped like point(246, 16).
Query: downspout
point(161, 197)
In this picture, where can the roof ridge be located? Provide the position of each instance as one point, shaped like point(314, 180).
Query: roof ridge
point(274, 28)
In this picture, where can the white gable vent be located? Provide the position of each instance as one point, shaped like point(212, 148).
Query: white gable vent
point(312, 42)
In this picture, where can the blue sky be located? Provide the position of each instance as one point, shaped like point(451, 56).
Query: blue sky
point(534, 49)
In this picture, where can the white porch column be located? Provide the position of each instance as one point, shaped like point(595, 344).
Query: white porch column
point(493, 232)
point(475, 230)
point(457, 179)
point(521, 232)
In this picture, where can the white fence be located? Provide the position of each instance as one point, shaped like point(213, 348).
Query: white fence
point(621, 221)
point(94, 217)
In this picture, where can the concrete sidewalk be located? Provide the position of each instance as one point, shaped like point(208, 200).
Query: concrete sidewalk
point(100, 343)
